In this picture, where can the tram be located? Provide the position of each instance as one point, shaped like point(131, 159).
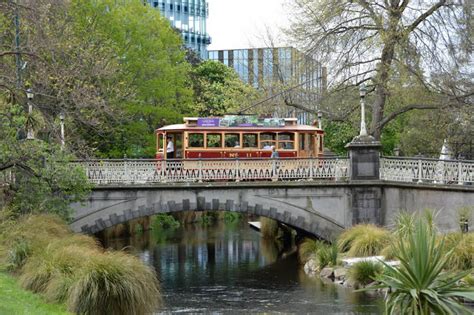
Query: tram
point(243, 137)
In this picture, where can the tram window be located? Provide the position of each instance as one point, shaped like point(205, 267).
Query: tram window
point(232, 140)
point(267, 140)
point(214, 140)
point(302, 139)
point(286, 141)
point(196, 140)
point(286, 145)
point(286, 136)
point(250, 140)
point(268, 136)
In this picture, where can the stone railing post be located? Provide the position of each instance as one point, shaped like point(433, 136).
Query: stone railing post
point(460, 179)
point(364, 158)
point(420, 171)
point(163, 176)
point(237, 170)
point(364, 164)
point(199, 171)
point(311, 166)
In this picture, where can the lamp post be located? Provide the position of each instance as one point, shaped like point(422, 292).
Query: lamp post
point(320, 119)
point(29, 95)
point(61, 119)
point(362, 93)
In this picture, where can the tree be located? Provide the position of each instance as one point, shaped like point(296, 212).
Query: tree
point(37, 175)
point(394, 46)
point(116, 68)
point(219, 90)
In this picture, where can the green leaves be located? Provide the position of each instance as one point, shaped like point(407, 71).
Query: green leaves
point(420, 285)
point(219, 91)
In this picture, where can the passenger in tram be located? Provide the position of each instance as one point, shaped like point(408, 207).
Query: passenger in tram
point(170, 148)
point(275, 154)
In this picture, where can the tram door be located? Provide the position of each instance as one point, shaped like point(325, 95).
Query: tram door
point(306, 145)
point(177, 138)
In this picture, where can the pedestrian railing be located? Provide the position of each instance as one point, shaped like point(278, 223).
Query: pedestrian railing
point(427, 170)
point(204, 170)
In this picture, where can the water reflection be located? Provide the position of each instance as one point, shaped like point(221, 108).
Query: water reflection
point(229, 268)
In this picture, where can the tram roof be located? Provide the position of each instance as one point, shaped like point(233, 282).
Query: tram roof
point(184, 127)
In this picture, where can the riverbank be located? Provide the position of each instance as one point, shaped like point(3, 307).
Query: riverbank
point(15, 300)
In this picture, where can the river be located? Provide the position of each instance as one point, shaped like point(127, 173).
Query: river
point(229, 268)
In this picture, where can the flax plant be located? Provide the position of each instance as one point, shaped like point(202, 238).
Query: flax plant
point(420, 285)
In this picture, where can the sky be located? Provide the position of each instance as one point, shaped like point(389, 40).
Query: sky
point(241, 23)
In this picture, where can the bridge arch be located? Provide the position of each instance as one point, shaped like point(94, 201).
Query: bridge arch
point(323, 210)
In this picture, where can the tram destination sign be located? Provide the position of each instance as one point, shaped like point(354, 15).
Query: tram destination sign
point(241, 121)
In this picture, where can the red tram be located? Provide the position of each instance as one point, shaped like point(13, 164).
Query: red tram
point(239, 137)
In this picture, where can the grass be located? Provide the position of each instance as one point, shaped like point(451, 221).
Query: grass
point(307, 248)
point(363, 240)
point(327, 255)
point(73, 269)
point(365, 272)
point(269, 228)
point(164, 221)
point(462, 255)
point(421, 284)
point(15, 300)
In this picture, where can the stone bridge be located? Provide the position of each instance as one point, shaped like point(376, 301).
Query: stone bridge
point(320, 208)
point(319, 196)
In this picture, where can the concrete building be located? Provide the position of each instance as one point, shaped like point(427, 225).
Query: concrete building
point(277, 69)
point(189, 17)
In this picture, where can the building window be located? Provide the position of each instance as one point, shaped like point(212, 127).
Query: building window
point(155, 4)
point(171, 6)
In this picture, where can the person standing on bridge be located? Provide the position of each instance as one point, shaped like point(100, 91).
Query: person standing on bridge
point(275, 154)
point(170, 149)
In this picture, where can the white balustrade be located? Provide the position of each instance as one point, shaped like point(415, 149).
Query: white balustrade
point(224, 170)
point(427, 171)
point(205, 170)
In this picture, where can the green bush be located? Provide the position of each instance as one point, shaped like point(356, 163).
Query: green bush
point(307, 248)
point(327, 255)
point(461, 246)
point(114, 283)
point(268, 228)
point(363, 240)
point(73, 269)
point(420, 285)
point(164, 221)
point(230, 216)
point(18, 254)
point(364, 272)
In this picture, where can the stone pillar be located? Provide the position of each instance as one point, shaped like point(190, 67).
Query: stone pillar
point(364, 155)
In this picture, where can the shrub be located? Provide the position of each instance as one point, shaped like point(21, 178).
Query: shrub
point(268, 228)
point(164, 221)
point(462, 251)
point(363, 240)
point(18, 254)
point(419, 285)
point(130, 287)
point(73, 269)
point(327, 255)
point(231, 216)
point(364, 272)
point(307, 248)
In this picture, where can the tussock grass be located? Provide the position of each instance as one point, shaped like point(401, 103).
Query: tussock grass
point(462, 255)
point(73, 269)
point(269, 228)
point(126, 280)
point(307, 248)
point(364, 272)
point(327, 255)
point(363, 240)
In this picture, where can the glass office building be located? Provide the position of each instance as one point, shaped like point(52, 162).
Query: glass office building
point(277, 69)
point(189, 17)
